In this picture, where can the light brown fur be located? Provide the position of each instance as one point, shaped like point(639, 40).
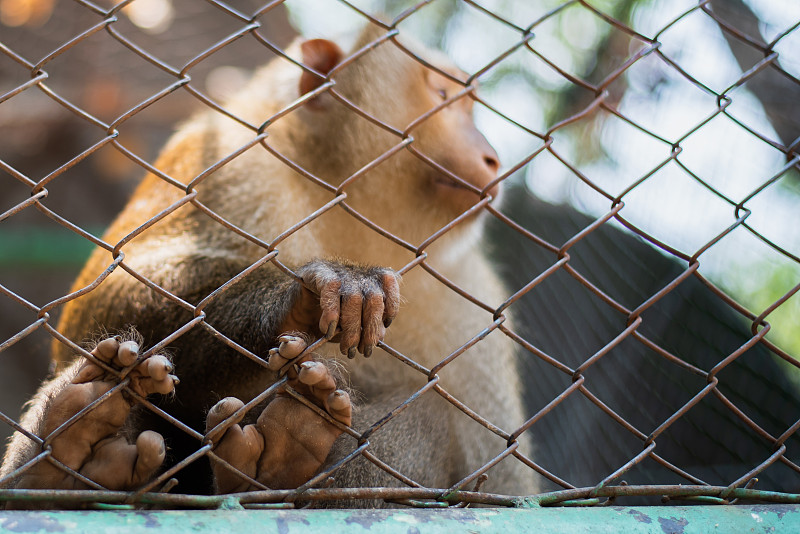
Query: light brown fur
point(259, 193)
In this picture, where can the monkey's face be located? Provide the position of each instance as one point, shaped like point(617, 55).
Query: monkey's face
point(414, 189)
point(463, 166)
point(447, 168)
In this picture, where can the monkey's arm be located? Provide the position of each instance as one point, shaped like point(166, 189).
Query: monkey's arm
point(349, 303)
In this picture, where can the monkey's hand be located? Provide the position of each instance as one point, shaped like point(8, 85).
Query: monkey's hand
point(92, 444)
point(349, 304)
point(289, 442)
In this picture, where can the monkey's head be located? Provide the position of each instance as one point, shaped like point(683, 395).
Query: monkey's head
point(434, 163)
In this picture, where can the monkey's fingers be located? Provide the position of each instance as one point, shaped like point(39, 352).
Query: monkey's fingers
point(325, 282)
point(350, 323)
point(329, 303)
point(364, 317)
point(361, 301)
point(372, 324)
point(391, 299)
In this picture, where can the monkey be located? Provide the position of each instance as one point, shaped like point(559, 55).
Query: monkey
point(214, 262)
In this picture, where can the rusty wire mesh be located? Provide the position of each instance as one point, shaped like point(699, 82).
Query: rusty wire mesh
point(39, 67)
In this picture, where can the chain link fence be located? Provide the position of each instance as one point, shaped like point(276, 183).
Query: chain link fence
point(644, 375)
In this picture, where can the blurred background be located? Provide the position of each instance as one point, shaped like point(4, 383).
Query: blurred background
point(687, 112)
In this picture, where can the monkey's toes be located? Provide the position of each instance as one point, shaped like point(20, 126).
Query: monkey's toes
point(92, 444)
point(317, 376)
point(111, 352)
point(239, 447)
point(153, 375)
point(290, 348)
point(339, 406)
point(222, 410)
point(150, 454)
point(290, 441)
point(316, 383)
point(118, 465)
point(117, 353)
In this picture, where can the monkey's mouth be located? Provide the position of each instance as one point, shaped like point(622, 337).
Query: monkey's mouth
point(452, 184)
point(459, 194)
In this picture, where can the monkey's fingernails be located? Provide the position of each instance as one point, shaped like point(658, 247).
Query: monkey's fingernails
point(352, 352)
point(291, 347)
point(106, 349)
point(387, 322)
point(127, 353)
point(331, 331)
point(164, 386)
point(88, 373)
point(315, 374)
point(155, 368)
point(292, 371)
point(275, 360)
point(339, 406)
point(222, 410)
point(339, 400)
point(368, 351)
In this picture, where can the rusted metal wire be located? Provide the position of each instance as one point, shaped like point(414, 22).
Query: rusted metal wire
point(578, 376)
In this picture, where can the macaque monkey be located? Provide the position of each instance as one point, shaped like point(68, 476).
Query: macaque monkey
point(341, 283)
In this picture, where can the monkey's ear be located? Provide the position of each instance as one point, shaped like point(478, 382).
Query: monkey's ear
point(321, 55)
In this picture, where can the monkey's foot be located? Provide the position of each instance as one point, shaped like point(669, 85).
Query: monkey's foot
point(349, 304)
point(92, 445)
point(289, 442)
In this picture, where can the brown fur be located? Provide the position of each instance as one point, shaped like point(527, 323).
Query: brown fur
point(190, 256)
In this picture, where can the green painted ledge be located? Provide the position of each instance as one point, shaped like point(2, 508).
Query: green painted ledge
point(659, 519)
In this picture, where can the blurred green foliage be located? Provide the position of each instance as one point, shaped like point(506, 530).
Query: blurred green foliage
point(42, 247)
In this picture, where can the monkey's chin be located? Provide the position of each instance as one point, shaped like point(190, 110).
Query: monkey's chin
point(457, 197)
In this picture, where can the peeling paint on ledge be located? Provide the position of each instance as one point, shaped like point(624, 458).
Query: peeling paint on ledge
point(631, 520)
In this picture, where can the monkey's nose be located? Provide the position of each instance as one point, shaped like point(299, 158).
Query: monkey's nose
point(490, 160)
point(492, 163)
